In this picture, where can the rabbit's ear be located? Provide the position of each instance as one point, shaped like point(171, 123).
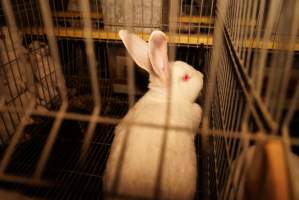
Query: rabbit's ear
point(158, 54)
point(137, 48)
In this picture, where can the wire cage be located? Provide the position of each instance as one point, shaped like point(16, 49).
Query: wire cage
point(66, 81)
point(252, 72)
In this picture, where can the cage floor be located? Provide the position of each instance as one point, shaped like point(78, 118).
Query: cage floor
point(73, 179)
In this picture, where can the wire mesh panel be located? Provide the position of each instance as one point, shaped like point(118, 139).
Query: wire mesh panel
point(67, 78)
point(67, 58)
point(251, 101)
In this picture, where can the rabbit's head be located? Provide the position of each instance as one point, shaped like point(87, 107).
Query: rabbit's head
point(183, 80)
point(39, 48)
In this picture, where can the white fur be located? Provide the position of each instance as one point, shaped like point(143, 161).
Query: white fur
point(13, 90)
point(44, 69)
point(139, 168)
point(10, 57)
point(12, 81)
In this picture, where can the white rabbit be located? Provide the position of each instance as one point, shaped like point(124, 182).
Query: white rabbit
point(13, 89)
point(12, 80)
point(44, 68)
point(13, 71)
point(139, 167)
point(10, 120)
point(9, 55)
point(40, 57)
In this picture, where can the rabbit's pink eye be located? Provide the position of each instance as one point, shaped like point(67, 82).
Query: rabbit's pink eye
point(186, 77)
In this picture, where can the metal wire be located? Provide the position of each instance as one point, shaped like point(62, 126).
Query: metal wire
point(248, 76)
point(237, 28)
